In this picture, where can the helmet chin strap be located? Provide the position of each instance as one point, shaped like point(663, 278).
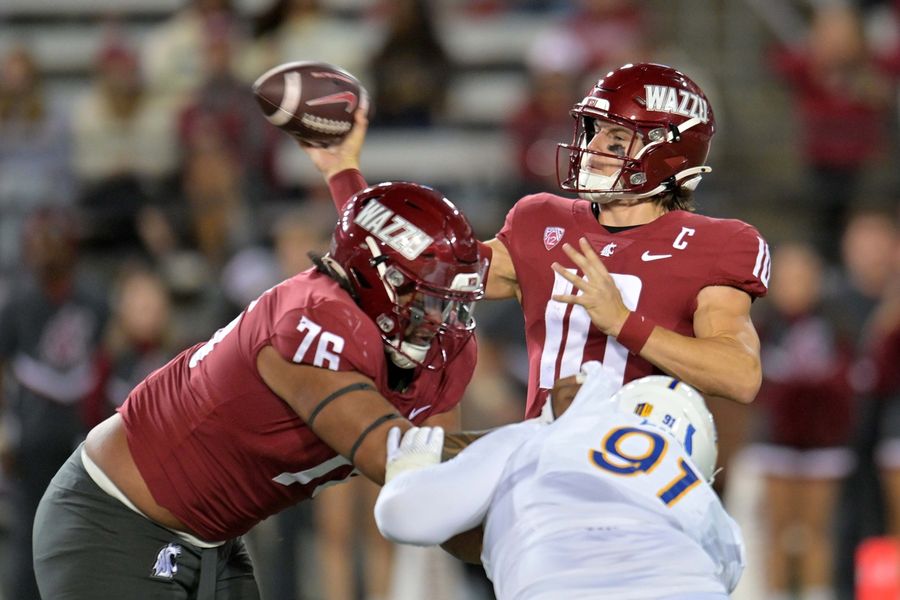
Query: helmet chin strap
point(689, 178)
point(379, 266)
point(587, 179)
point(408, 355)
point(335, 266)
point(595, 181)
point(590, 180)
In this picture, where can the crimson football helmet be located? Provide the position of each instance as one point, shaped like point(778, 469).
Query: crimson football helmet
point(414, 266)
point(642, 130)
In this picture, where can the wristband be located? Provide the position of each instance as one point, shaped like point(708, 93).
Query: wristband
point(344, 184)
point(635, 331)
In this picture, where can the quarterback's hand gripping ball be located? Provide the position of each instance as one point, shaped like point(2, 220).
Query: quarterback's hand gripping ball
point(420, 447)
point(313, 101)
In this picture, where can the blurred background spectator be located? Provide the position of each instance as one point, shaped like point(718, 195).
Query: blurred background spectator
point(50, 331)
point(123, 149)
point(291, 30)
point(557, 72)
point(138, 339)
point(411, 71)
point(221, 117)
point(867, 270)
point(34, 139)
point(173, 54)
point(806, 415)
point(842, 100)
point(609, 33)
point(356, 560)
point(885, 355)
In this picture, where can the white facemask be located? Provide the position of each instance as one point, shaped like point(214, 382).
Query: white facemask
point(591, 180)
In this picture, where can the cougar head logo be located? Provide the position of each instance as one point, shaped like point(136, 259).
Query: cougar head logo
point(166, 567)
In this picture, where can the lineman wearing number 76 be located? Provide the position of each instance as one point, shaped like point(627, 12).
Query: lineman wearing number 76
point(295, 394)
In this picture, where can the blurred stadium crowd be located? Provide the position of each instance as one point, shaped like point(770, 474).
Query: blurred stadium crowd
point(144, 201)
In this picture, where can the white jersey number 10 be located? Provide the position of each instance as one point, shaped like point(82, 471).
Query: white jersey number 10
point(555, 320)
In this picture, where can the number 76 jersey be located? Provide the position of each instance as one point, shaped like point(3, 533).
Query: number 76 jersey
point(219, 449)
point(660, 268)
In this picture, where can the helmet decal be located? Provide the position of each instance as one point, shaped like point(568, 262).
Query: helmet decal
point(664, 98)
point(392, 229)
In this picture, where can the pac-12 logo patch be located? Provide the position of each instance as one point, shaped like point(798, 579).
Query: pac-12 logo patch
point(166, 567)
point(553, 236)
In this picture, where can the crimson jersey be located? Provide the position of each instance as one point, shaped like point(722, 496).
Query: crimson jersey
point(220, 450)
point(659, 267)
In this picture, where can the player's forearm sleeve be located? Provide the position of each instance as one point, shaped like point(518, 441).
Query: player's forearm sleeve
point(429, 506)
point(344, 184)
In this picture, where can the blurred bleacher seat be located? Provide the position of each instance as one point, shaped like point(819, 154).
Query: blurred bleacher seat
point(489, 81)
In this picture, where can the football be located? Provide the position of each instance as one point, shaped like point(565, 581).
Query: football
point(312, 101)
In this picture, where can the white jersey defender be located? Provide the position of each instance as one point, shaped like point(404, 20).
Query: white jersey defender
point(602, 503)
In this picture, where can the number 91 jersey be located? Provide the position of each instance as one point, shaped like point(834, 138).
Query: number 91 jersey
point(595, 487)
point(659, 267)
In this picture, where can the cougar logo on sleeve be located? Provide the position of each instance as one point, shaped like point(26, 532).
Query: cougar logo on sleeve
point(166, 567)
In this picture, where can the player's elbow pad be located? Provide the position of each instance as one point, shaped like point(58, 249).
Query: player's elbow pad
point(398, 522)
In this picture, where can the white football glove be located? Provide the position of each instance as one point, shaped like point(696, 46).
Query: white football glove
point(420, 447)
point(546, 417)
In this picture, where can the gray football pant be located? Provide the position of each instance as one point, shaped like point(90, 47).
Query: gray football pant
point(89, 546)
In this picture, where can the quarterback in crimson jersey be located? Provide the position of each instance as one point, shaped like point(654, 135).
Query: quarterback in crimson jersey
point(272, 459)
point(659, 268)
point(626, 274)
point(294, 394)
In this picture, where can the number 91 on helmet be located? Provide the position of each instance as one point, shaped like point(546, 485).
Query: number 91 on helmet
point(678, 409)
